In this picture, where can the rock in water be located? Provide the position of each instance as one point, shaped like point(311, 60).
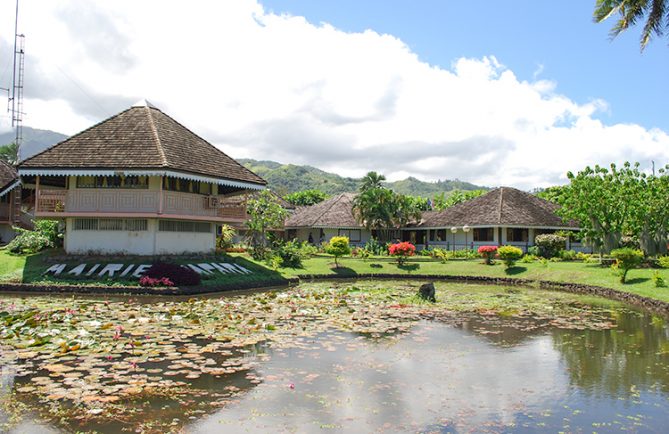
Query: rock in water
point(427, 292)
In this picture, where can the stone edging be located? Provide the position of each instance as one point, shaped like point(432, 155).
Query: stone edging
point(139, 290)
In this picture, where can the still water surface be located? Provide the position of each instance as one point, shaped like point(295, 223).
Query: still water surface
point(470, 375)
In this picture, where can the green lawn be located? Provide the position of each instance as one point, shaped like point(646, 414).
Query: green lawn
point(639, 281)
point(29, 269)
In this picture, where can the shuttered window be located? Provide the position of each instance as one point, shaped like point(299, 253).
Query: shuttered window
point(179, 226)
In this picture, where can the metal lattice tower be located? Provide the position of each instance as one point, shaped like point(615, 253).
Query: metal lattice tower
point(17, 90)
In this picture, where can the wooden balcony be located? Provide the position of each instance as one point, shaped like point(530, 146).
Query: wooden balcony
point(133, 203)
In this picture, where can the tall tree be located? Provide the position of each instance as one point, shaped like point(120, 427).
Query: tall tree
point(306, 197)
point(371, 180)
point(265, 213)
point(654, 12)
point(441, 201)
point(374, 209)
point(9, 153)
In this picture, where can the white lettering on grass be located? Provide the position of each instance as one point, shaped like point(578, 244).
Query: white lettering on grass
point(76, 271)
point(127, 270)
point(55, 269)
point(207, 268)
point(92, 270)
point(110, 269)
point(140, 270)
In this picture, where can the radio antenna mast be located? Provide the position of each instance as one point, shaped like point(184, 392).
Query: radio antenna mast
point(16, 98)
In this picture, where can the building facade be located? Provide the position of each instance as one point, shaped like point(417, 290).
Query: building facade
point(137, 183)
point(10, 201)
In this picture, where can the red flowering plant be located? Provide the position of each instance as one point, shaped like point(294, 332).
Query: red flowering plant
point(153, 281)
point(402, 251)
point(488, 253)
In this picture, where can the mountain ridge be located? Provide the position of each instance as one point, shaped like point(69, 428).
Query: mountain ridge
point(289, 178)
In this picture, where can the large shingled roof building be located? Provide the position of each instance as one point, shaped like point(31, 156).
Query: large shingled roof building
point(137, 183)
point(503, 216)
point(330, 218)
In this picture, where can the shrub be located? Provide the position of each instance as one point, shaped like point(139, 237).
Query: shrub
point(337, 247)
point(374, 247)
point(290, 253)
point(585, 257)
point(528, 259)
point(509, 254)
point(550, 245)
point(224, 241)
point(659, 280)
point(626, 259)
point(663, 261)
point(45, 235)
point(488, 253)
point(360, 252)
point(152, 281)
point(235, 250)
point(443, 255)
point(402, 251)
point(568, 255)
point(533, 250)
point(177, 274)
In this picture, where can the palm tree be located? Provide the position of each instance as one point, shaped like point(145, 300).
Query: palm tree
point(374, 209)
point(371, 180)
point(655, 12)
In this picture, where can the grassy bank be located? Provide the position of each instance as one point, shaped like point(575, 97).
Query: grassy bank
point(30, 269)
point(640, 281)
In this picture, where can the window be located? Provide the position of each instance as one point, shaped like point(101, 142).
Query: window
point(516, 235)
point(353, 235)
point(179, 226)
point(484, 234)
point(129, 182)
point(187, 186)
point(133, 225)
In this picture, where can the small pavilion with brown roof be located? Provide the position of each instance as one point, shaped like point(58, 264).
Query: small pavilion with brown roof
point(330, 218)
point(138, 183)
point(503, 216)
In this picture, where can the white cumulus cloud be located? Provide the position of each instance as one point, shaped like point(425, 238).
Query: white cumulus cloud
point(277, 87)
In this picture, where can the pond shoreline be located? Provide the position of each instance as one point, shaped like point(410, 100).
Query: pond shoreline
point(654, 305)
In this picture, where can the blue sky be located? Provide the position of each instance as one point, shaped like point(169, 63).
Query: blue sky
point(557, 39)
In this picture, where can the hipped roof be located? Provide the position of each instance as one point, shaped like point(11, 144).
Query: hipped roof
point(336, 212)
point(8, 175)
point(141, 137)
point(504, 206)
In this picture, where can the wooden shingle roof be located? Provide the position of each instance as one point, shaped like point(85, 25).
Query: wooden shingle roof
point(504, 206)
point(8, 175)
point(336, 212)
point(141, 137)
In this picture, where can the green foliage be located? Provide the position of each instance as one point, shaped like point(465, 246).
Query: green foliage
point(45, 235)
point(658, 280)
point(9, 153)
point(533, 250)
point(306, 197)
point(632, 11)
point(626, 259)
point(441, 254)
point(441, 201)
point(371, 181)
point(663, 261)
point(337, 247)
point(568, 255)
point(528, 258)
point(224, 241)
point(551, 194)
point(375, 247)
point(550, 245)
point(291, 253)
point(610, 203)
point(509, 254)
point(265, 213)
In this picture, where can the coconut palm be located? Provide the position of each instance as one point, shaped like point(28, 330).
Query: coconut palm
point(655, 13)
point(371, 180)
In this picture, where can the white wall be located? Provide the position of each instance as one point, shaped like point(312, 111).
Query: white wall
point(149, 242)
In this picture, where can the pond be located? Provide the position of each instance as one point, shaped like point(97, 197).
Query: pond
point(339, 357)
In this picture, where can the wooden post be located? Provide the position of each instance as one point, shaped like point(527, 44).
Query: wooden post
point(160, 198)
point(36, 194)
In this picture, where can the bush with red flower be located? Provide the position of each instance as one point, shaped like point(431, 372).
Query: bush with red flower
point(152, 281)
point(488, 253)
point(402, 251)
